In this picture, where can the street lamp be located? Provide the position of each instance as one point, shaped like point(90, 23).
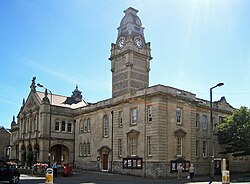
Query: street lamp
point(40, 85)
point(211, 121)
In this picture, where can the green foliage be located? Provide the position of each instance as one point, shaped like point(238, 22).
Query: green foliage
point(234, 132)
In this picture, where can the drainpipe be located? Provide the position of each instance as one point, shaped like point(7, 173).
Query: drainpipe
point(74, 145)
point(145, 136)
point(112, 142)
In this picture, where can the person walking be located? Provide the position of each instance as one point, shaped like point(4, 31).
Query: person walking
point(179, 169)
point(191, 171)
point(54, 167)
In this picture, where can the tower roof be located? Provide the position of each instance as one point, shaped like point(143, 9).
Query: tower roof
point(130, 23)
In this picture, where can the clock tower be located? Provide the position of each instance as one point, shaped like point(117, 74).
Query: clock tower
point(130, 56)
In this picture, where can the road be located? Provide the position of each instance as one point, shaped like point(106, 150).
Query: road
point(88, 177)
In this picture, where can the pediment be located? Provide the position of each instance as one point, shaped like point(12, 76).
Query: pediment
point(180, 132)
point(31, 103)
point(222, 103)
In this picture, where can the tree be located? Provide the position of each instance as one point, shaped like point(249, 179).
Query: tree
point(234, 132)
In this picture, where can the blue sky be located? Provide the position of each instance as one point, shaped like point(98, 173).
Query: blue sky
point(195, 45)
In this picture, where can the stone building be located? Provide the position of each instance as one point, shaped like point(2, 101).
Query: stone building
point(45, 128)
point(141, 130)
point(4, 143)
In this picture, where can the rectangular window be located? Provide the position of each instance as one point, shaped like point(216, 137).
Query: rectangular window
point(204, 122)
point(57, 126)
point(133, 116)
point(119, 147)
point(179, 146)
point(132, 146)
point(69, 127)
point(120, 119)
point(197, 149)
point(88, 125)
point(150, 116)
point(63, 126)
point(105, 126)
point(214, 125)
point(197, 121)
point(204, 149)
point(149, 146)
point(178, 115)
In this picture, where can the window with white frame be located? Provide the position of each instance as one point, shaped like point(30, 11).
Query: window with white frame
point(179, 115)
point(133, 146)
point(120, 121)
point(88, 125)
point(133, 116)
point(69, 127)
point(105, 126)
point(179, 146)
point(119, 147)
point(204, 149)
point(57, 126)
point(149, 146)
point(197, 121)
point(150, 115)
point(204, 122)
point(63, 127)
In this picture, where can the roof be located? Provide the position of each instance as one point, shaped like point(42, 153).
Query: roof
point(1, 127)
point(59, 100)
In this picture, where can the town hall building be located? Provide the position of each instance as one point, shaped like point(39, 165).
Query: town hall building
point(141, 130)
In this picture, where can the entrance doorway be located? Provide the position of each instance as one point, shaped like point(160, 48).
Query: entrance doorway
point(105, 162)
point(60, 154)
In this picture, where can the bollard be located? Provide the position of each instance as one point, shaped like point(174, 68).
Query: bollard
point(49, 176)
point(225, 177)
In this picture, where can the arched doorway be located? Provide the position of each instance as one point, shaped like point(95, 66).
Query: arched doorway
point(104, 161)
point(23, 154)
point(60, 154)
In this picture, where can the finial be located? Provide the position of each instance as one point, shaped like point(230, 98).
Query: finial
point(77, 86)
point(46, 93)
point(13, 121)
point(33, 84)
point(23, 101)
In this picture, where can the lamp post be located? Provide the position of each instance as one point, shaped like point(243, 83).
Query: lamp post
point(211, 121)
point(49, 156)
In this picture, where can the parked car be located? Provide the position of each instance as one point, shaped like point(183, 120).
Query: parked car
point(8, 173)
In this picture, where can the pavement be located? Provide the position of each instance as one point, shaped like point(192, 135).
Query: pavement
point(91, 177)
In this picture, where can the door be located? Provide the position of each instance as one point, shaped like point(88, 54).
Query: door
point(105, 162)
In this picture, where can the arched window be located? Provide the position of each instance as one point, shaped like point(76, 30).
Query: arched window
point(88, 125)
point(84, 149)
point(105, 126)
point(37, 150)
point(88, 149)
point(80, 150)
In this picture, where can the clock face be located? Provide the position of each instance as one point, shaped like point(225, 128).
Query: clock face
point(121, 42)
point(138, 43)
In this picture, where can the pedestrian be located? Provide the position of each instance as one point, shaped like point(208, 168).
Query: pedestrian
point(191, 171)
point(54, 167)
point(179, 169)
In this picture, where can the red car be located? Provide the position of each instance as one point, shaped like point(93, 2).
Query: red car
point(8, 173)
